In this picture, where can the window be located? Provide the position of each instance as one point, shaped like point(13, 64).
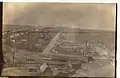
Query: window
point(32, 69)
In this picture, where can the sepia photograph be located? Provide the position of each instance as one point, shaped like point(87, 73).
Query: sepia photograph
point(59, 39)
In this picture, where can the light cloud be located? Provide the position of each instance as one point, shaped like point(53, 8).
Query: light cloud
point(93, 16)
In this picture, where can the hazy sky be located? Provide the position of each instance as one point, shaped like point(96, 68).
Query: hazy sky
point(93, 16)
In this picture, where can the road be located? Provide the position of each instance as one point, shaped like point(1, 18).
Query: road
point(51, 44)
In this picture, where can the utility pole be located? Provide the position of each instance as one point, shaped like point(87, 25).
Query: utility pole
point(86, 47)
point(13, 51)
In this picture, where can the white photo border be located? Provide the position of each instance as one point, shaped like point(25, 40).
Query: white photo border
point(90, 1)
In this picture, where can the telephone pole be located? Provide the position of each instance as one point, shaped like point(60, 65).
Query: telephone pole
point(13, 51)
